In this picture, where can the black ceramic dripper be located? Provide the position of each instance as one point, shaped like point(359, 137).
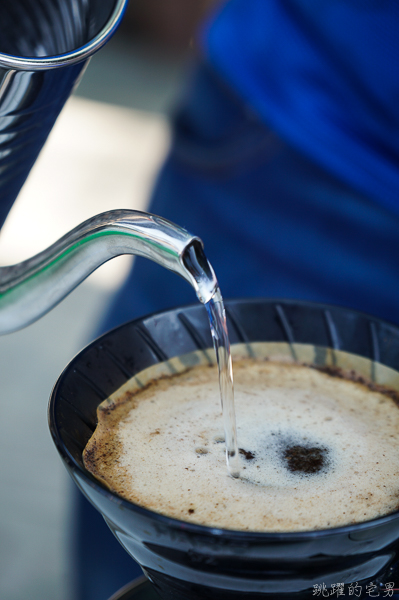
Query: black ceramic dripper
point(44, 47)
point(191, 562)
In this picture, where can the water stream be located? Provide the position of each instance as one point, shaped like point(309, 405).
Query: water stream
point(208, 292)
point(221, 343)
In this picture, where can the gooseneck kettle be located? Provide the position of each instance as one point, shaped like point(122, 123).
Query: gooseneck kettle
point(30, 289)
point(44, 48)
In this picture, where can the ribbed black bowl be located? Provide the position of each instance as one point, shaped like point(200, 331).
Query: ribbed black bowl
point(186, 561)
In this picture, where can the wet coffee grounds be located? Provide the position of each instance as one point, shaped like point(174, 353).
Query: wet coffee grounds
point(301, 459)
point(246, 454)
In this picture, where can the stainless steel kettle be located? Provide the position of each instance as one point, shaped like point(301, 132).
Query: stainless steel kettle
point(31, 288)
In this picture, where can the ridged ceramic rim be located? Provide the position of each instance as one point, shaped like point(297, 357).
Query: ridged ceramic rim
point(81, 54)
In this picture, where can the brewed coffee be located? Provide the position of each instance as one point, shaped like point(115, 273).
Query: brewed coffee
point(318, 450)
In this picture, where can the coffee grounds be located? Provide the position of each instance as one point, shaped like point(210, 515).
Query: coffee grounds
point(246, 454)
point(304, 460)
point(355, 377)
point(341, 418)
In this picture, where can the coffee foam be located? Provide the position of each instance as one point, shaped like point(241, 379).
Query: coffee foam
point(162, 448)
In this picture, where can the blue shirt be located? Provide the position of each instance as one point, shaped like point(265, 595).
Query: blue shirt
point(322, 73)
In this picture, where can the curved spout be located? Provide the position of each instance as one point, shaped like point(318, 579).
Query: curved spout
point(31, 288)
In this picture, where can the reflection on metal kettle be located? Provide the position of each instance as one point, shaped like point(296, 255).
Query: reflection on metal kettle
point(30, 289)
point(44, 48)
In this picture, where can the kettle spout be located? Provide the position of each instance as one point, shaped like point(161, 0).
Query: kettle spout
point(30, 289)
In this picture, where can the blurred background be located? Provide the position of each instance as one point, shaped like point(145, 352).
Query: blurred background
point(103, 153)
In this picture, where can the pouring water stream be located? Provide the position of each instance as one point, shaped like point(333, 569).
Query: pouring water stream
point(221, 343)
